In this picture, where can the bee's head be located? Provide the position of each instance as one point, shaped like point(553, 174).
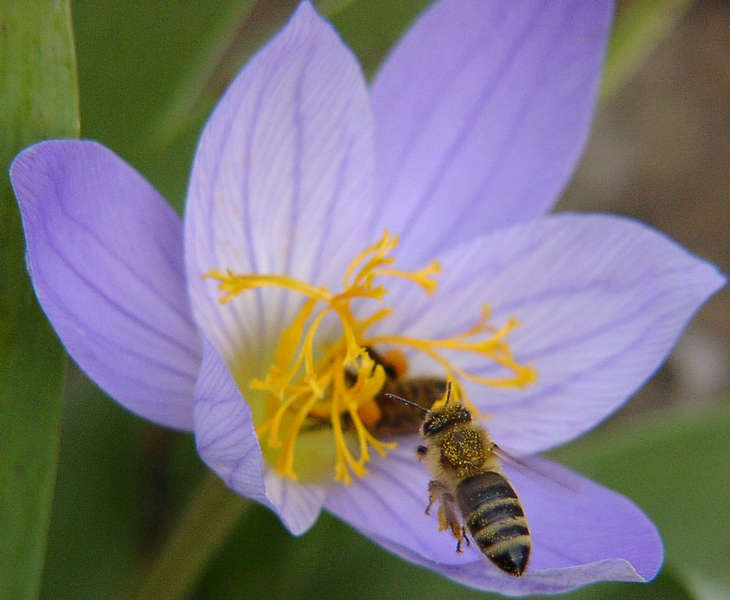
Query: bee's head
point(444, 413)
point(444, 417)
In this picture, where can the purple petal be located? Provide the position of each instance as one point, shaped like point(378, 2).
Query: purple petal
point(576, 521)
point(601, 299)
point(389, 503)
point(104, 251)
point(226, 440)
point(481, 112)
point(581, 531)
point(282, 179)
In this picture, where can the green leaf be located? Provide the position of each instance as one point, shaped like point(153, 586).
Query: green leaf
point(704, 587)
point(39, 99)
point(329, 562)
point(676, 470)
point(205, 75)
point(371, 28)
point(121, 483)
point(134, 62)
point(103, 512)
point(637, 30)
point(206, 521)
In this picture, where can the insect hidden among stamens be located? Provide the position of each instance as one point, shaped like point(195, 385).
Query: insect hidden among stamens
point(468, 482)
point(386, 414)
point(394, 418)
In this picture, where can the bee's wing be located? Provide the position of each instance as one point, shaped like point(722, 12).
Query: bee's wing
point(530, 465)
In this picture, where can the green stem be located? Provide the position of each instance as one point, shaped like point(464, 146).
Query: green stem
point(204, 525)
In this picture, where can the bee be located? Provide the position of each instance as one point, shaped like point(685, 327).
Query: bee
point(395, 417)
point(468, 482)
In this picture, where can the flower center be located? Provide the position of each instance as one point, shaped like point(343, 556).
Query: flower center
point(337, 385)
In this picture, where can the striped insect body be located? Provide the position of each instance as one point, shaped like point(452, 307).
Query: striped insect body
point(475, 498)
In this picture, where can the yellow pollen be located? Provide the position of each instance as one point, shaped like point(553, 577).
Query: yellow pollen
point(309, 385)
point(397, 361)
point(370, 413)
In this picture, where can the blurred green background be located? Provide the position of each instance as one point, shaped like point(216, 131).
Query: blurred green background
point(148, 75)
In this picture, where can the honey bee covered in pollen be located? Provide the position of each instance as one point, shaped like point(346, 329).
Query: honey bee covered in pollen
point(468, 483)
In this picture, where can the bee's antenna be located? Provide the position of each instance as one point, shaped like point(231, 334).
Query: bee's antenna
point(405, 401)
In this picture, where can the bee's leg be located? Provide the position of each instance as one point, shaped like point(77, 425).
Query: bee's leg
point(421, 452)
point(435, 491)
point(443, 522)
point(449, 519)
point(431, 501)
point(466, 537)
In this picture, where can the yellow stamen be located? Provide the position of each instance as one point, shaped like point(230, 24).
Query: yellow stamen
point(420, 277)
point(493, 347)
point(338, 386)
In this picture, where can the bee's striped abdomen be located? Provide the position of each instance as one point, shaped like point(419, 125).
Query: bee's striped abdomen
point(495, 519)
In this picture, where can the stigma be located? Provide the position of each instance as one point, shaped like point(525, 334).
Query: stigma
point(334, 383)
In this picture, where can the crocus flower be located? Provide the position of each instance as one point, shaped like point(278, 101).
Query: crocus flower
point(248, 324)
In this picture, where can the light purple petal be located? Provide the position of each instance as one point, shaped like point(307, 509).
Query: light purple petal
point(282, 180)
point(226, 440)
point(575, 521)
point(601, 299)
point(581, 531)
point(105, 255)
point(481, 112)
point(480, 575)
point(389, 503)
